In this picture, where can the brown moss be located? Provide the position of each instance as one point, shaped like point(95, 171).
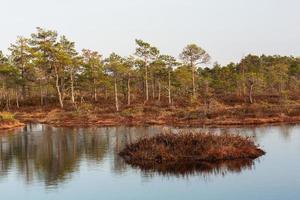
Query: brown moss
point(190, 148)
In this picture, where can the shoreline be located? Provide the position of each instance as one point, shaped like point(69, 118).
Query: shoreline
point(60, 118)
point(11, 125)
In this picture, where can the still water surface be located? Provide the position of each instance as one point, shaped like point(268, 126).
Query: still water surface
point(40, 162)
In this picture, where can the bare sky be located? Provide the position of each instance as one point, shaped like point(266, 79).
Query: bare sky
point(227, 29)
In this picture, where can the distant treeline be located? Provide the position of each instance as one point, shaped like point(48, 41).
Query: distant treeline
point(46, 69)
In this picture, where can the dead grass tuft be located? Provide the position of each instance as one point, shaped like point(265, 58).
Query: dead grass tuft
point(190, 148)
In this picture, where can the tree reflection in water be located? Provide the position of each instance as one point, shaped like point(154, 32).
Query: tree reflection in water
point(52, 155)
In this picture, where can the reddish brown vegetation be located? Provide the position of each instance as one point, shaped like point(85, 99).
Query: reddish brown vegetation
point(218, 115)
point(7, 121)
point(190, 148)
point(10, 125)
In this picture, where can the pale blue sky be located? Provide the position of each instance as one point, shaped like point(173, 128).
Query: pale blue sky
point(227, 29)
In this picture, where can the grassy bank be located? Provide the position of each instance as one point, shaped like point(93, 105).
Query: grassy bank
point(140, 114)
point(190, 148)
point(8, 121)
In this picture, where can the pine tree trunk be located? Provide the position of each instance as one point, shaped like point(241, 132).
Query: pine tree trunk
point(46, 95)
point(41, 93)
point(72, 86)
point(7, 100)
point(251, 94)
point(243, 82)
point(116, 96)
point(169, 89)
point(146, 82)
point(106, 93)
point(62, 88)
point(23, 92)
point(95, 90)
point(58, 89)
point(128, 92)
point(17, 98)
point(207, 98)
point(7, 103)
point(193, 79)
point(153, 87)
point(159, 88)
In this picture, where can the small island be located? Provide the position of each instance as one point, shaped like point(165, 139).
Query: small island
point(189, 148)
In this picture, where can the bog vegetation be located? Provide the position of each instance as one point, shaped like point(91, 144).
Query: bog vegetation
point(8, 121)
point(6, 117)
point(184, 147)
point(46, 69)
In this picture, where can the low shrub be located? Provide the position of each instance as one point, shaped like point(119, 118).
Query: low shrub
point(6, 116)
point(132, 111)
point(85, 108)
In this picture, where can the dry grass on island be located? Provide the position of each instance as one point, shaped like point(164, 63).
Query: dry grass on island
point(190, 148)
point(8, 121)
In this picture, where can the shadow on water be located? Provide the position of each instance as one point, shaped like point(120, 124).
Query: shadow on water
point(53, 155)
